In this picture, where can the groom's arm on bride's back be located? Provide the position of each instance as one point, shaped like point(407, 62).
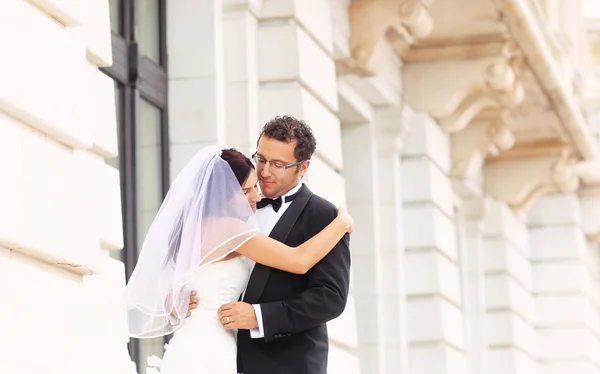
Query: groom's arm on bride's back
point(328, 281)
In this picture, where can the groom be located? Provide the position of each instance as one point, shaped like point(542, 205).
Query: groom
point(282, 317)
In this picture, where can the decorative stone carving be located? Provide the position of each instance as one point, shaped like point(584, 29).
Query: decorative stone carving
point(523, 175)
point(471, 146)
point(455, 92)
point(373, 23)
point(590, 212)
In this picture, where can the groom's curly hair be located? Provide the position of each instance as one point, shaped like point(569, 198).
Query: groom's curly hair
point(288, 129)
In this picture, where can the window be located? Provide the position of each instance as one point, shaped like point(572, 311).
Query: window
point(140, 75)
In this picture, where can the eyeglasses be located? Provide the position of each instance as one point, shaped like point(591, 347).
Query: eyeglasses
point(275, 166)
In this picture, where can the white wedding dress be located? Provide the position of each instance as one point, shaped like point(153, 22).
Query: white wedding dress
point(202, 345)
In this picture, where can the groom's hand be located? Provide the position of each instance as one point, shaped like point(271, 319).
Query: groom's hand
point(238, 315)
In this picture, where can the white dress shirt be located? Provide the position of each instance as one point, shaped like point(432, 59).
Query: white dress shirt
point(267, 219)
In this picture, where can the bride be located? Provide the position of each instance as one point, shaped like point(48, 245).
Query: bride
point(199, 239)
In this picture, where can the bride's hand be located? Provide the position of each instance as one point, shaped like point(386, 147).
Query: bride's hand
point(346, 218)
point(193, 303)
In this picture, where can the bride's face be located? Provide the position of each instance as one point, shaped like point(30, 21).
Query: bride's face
point(250, 188)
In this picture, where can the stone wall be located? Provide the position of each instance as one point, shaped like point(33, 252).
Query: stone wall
point(60, 208)
point(442, 282)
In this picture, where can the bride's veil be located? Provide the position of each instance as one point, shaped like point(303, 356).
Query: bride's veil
point(204, 217)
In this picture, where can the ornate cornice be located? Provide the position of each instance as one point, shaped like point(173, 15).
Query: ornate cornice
point(375, 22)
point(471, 146)
point(454, 92)
point(519, 181)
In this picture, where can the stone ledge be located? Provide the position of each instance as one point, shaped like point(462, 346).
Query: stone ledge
point(38, 252)
point(45, 180)
point(95, 34)
point(67, 12)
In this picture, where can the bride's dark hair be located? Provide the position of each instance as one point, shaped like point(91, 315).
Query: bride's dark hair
point(241, 167)
point(239, 163)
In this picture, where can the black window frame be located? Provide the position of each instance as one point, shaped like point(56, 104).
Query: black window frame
point(137, 77)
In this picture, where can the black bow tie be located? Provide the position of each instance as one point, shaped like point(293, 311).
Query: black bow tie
point(275, 202)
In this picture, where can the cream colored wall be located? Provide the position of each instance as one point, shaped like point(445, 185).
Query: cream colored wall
point(59, 201)
point(233, 65)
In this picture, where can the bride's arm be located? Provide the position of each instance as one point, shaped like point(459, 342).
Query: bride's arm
point(298, 260)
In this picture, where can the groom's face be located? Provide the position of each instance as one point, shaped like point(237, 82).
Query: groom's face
point(277, 182)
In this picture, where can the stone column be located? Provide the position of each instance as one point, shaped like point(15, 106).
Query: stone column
point(240, 40)
point(362, 176)
point(371, 141)
point(509, 299)
point(472, 262)
point(434, 315)
point(196, 78)
point(391, 128)
point(297, 77)
point(372, 153)
point(566, 273)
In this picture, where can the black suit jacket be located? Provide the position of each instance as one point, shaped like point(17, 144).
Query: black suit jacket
point(295, 308)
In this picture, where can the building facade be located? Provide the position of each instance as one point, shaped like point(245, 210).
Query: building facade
point(463, 135)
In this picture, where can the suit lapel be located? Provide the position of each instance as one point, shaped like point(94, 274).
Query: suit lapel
point(260, 274)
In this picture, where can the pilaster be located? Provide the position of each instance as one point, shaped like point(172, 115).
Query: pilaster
point(510, 310)
point(197, 101)
point(360, 151)
point(240, 38)
point(434, 302)
point(298, 78)
point(470, 220)
point(567, 306)
point(392, 128)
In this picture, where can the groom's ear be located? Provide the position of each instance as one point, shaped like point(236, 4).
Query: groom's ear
point(304, 167)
